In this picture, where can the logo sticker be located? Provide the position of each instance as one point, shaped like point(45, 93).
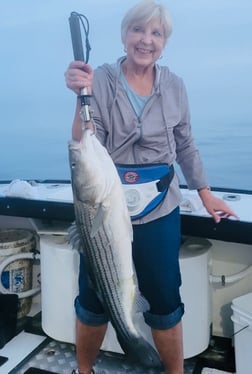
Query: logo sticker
point(131, 177)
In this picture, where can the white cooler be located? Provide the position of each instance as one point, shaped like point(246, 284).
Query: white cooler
point(242, 319)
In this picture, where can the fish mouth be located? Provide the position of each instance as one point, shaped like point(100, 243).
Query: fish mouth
point(76, 145)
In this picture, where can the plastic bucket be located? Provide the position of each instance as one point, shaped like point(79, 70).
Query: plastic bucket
point(242, 319)
point(16, 252)
point(59, 287)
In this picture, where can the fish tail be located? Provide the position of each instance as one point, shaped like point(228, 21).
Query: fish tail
point(142, 352)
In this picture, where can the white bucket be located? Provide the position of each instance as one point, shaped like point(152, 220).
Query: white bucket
point(59, 287)
point(16, 246)
point(195, 293)
point(242, 319)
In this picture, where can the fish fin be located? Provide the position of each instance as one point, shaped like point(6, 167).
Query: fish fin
point(130, 228)
point(98, 220)
point(73, 237)
point(139, 350)
point(140, 304)
point(128, 223)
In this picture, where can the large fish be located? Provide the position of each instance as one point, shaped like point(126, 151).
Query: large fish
point(104, 230)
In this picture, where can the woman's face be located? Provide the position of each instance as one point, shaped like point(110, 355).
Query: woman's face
point(144, 43)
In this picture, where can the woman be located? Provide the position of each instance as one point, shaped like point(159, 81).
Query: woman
point(142, 117)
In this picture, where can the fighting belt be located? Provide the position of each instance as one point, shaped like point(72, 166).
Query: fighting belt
point(145, 186)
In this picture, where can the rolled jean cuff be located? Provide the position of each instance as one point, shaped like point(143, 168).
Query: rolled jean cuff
point(166, 321)
point(87, 317)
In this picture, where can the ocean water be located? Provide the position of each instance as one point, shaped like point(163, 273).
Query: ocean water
point(34, 139)
point(36, 109)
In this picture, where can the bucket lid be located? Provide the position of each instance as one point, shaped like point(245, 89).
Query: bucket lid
point(194, 247)
point(14, 237)
point(244, 303)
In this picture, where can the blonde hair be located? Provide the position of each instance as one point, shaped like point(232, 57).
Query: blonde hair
point(145, 11)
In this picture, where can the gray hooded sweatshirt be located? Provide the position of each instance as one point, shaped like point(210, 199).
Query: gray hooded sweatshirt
point(162, 134)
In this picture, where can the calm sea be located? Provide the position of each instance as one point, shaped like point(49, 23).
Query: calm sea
point(33, 145)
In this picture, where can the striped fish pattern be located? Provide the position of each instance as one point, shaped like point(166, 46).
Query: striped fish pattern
point(103, 231)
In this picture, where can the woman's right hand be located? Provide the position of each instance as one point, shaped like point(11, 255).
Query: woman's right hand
point(79, 75)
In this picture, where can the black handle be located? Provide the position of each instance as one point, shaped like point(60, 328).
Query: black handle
point(74, 23)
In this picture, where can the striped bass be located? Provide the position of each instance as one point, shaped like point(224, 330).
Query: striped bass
point(104, 230)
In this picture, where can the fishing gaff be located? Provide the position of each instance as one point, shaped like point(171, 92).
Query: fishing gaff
point(74, 22)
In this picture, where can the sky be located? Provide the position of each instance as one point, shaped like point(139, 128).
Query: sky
point(210, 48)
point(36, 46)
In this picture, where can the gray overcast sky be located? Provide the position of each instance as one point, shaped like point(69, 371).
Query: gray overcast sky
point(210, 48)
point(35, 38)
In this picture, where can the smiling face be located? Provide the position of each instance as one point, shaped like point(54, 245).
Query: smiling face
point(144, 43)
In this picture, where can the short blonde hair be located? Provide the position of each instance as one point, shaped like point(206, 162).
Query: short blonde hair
point(145, 11)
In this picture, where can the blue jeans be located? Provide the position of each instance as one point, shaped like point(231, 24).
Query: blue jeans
point(155, 251)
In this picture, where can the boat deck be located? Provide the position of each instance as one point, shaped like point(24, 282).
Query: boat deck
point(51, 356)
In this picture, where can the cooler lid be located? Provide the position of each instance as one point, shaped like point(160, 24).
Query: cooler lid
point(244, 303)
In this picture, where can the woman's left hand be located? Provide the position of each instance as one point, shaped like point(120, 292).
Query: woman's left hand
point(215, 206)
